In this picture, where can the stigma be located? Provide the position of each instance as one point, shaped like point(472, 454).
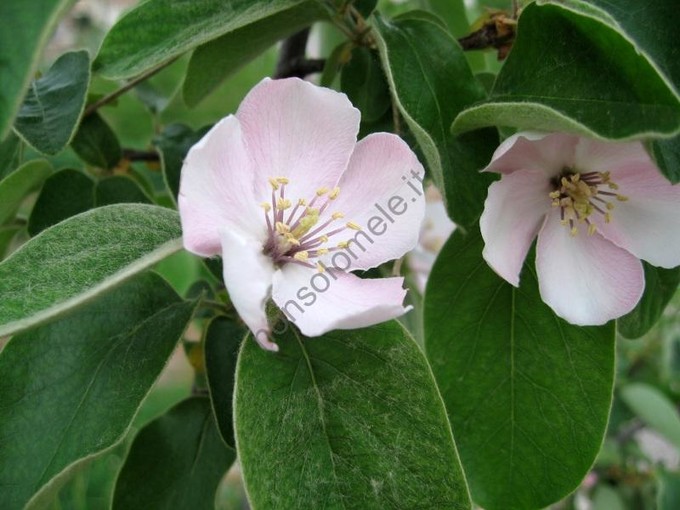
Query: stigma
point(580, 196)
point(299, 230)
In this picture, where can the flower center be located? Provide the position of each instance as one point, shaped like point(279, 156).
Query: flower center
point(299, 230)
point(580, 195)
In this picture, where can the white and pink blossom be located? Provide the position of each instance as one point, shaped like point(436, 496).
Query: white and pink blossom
point(596, 207)
point(280, 187)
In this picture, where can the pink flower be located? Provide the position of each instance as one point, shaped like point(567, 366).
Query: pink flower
point(293, 204)
point(596, 207)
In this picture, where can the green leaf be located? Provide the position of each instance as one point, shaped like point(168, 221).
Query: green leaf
point(668, 494)
point(175, 462)
point(660, 287)
point(666, 153)
point(173, 144)
point(96, 143)
point(159, 30)
point(364, 83)
point(571, 72)
point(6, 236)
point(453, 13)
point(27, 27)
point(70, 389)
point(9, 154)
point(431, 83)
point(528, 394)
point(18, 184)
point(654, 408)
point(215, 61)
point(119, 189)
point(64, 194)
point(607, 498)
point(351, 419)
point(76, 260)
point(49, 114)
point(222, 341)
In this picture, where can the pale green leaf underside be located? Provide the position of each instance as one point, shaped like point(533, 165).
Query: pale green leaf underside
point(75, 260)
point(15, 187)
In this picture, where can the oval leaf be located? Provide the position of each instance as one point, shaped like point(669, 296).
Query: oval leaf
point(119, 189)
point(26, 28)
point(528, 394)
point(96, 143)
point(18, 184)
point(70, 389)
point(351, 419)
point(570, 72)
point(175, 462)
point(81, 257)
point(431, 83)
point(159, 30)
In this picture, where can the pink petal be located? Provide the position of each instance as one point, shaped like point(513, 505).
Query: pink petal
point(648, 223)
point(586, 280)
point(549, 153)
point(248, 277)
point(320, 302)
point(300, 131)
point(216, 190)
point(513, 214)
point(381, 192)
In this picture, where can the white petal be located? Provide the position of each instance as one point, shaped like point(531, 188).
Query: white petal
point(586, 280)
point(216, 190)
point(513, 214)
point(297, 130)
point(648, 223)
point(248, 277)
point(381, 192)
point(547, 152)
point(320, 302)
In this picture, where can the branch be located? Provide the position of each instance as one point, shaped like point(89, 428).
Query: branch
point(135, 155)
point(292, 60)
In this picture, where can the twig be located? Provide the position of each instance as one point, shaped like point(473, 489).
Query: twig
point(292, 60)
point(135, 155)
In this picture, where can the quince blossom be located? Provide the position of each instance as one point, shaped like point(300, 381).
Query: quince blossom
point(280, 188)
point(597, 208)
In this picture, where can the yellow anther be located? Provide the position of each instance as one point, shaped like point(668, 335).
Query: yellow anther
point(607, 217)
point(573, 232)
point(554, 194)
point(302, 256)
point(343, 244)
point(283, 203)
point(612, 185)
point(622, 198)
point(302, 201)
point(282, 180)
point(319, 267)
point(282, 228)
point(353, 226)
point(274, 183)
point(266, 206)
point(292, 239)
point(334, 193)
point(592, 229)
point(337, 215)
point(305, 224)
point(312, 211)
point(322, 251)
point(609, 206)
point(321, 191)
point(323, 238)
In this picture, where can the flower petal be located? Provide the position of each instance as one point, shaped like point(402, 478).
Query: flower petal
point(513, 214)
point(381, 192)
point(548, 152)
point(300, 131)
point(320, 302)
point(248, 277)
point(586, 280)
point(647, 224)
point(216, 190)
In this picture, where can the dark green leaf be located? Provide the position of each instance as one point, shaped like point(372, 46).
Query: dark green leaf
point(119, 189)
point(9, 154)
point(660, 287)
point(96, 143)
point(654, 408)
point(26, 28)
point(71, 388)
point(364, 83)
point(18, 184)
point(351, 419)
point(431, 83)
point(173, 144)
point(159, 30)
point(64, 194)
point(666, 153)
point(570, 72)
point(218, 59)
point(453, 12)
point(176, 461)
point(668, 495)
point(76, 260)
point(338, 57)
point(528, 394)
point(222, 341)
point(49, 114)
point(6, 236)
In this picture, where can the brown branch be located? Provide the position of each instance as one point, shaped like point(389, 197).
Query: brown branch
point(135, 155)
point(292, 60)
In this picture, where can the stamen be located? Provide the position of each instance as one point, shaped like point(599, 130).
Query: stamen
point(334, 193)
point(266, 206)
point(274, 183)
point(282, 204)
point(282, 180)
point(343, 244)
point(337, 215)
point(319, 267)
point(321, 191)
point(353, 226)
point(302, 256)
point(282, 228)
